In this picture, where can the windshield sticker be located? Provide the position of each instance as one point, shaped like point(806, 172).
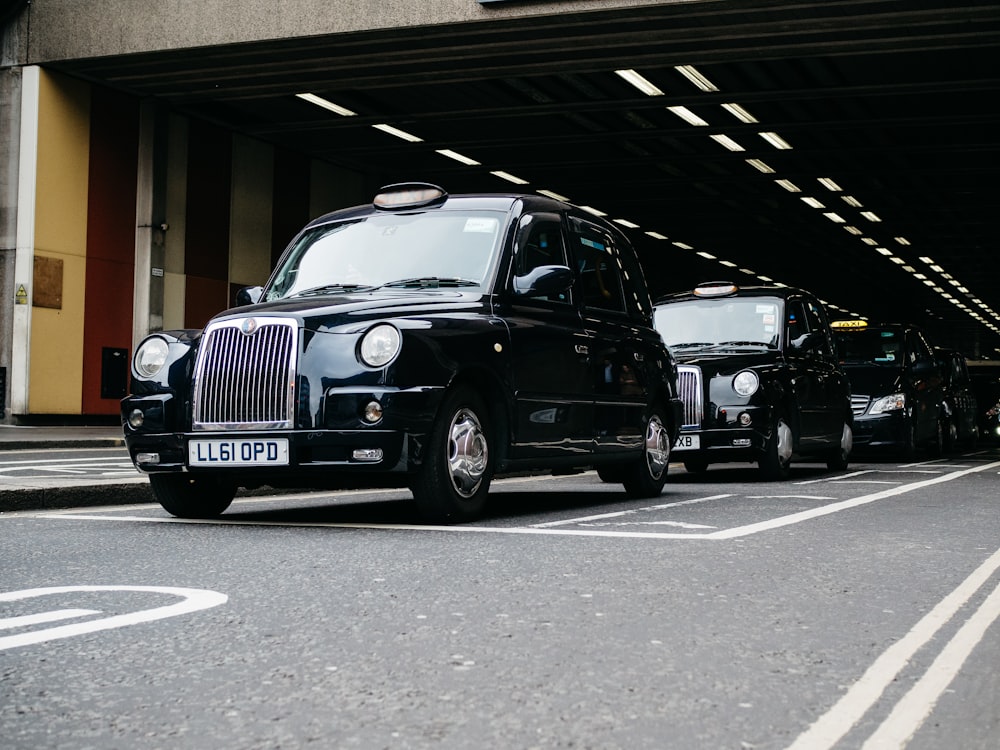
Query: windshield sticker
point(764, 309)
point(591, 243)
point(769, 319)
point(480, 224)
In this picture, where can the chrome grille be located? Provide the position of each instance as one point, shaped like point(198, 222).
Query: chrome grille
point(245, 375)
point(859, 404)
point(689, 388)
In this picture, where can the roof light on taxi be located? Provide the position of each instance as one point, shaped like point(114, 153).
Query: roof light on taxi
point(715, 289)
point(408, 195)
point(848, 324)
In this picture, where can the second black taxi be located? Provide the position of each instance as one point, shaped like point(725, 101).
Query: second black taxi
point(758, 378)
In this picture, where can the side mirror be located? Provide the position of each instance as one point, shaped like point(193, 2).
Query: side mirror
point(249, 295)
point(543, 281)
point(807, 341)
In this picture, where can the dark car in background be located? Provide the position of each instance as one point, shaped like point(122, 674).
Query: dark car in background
point(897, 387)
point(425, 339)
point(985, 377)
point(961, 407)
point(758, 378)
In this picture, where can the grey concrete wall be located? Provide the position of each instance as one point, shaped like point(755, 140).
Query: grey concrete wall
point(74, 29)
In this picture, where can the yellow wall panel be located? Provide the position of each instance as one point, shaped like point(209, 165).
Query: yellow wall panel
point(56, 368)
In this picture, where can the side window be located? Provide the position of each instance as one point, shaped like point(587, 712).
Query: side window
point(796, 326)
point(598, 268)
point(918, 349)
point(540, 243)
point(816, 321)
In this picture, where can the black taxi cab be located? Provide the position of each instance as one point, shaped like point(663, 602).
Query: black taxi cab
point(758, 377)
point(425, 339)
point(897, 387)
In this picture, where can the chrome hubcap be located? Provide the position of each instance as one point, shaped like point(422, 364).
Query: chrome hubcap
point(657, 447)
point(784, 442)
point(468, 452)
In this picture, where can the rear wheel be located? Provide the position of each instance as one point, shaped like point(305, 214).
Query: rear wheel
point(454, 479)
point(646, 476)
point(185, 496)
point(777, 459)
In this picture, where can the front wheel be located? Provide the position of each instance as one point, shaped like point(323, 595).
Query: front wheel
point(777, 459)
point(837, 458)
point(646, 476)
point(185, 496)
point(454, 479)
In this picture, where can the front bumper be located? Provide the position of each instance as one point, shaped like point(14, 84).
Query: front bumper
point(729, 441)
point(888, 432)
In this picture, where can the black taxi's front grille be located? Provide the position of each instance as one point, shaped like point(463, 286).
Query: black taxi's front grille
point(689, 388)
point(859, 404)
point(245, 375)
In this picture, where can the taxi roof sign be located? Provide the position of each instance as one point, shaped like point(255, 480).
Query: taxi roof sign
point(408, 195)
point(849, 324)
point(715, 289)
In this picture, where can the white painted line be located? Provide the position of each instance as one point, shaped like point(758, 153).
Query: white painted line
point(55, 615)
point(870, 481)
point(836, 478)
point(911, 712)
point(192, 600)
point(824, 510)
point(831, 727)
point(618, 514)
point(788, 497)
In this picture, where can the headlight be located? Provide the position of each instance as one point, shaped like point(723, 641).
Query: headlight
point(895, 402)
point(380, 345)
point(746, 383)
point(150, 356)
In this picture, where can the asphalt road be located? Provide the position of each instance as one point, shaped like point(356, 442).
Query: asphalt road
point(850, 610)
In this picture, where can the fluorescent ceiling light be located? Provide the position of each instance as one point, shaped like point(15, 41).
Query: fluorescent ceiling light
point(909, 269)
point(319, 101)
point(902, 240)
point(919, 275)
point(747, 271)
point(765, 279)
point(776, 140)
point(657, 235)
point(688, 116)
point(829, 184)
point(626, 223)
point(554, 195)
point(398, 133)
point(693, 75)
point(853, 230)
point(707, 256)
point(682, 246)
point(458, 157)
point(790, 186)
point(955, 282)
point(851, 201)
point(509, 177)
point(869, 241)
point(812, 202)
point(929, 282)
point(594, 211)
point(834, 217)
point(926, 259)
point(739, 113)
point(728, 142)
point(760, 166)
point(649, 89)
point(870, 216)
point(728, 263)
point(897, 260)
point(883, 251)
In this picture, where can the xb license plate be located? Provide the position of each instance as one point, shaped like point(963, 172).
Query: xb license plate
point(238, 452)
point(687, 443)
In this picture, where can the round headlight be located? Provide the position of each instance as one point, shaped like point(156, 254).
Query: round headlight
point(380, 345)
point(150, 356)
point(745, 383)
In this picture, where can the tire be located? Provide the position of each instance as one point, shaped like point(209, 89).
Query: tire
point(453, 481)
point(935, 448)
point(949, 434)
point(185, 496)
point(838, 458)
point(776, 462)
point(646, 476)
point(908, 451)
point(696, 466)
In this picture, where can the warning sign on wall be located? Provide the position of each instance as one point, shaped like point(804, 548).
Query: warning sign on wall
point(21, 295)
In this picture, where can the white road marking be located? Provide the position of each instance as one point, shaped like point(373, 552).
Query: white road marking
point(192, 600)
point(831, 727)
point(789, 497)
point(55, 615)
point(836, 478)
point(618, 514)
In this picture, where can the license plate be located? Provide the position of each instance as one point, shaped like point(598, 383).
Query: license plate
point(687, 443)
point(240, 452)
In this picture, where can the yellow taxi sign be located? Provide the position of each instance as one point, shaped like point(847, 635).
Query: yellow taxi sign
point(849, 324)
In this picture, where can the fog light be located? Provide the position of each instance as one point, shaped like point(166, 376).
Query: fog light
point(367, 454)
point(744, 419)
point(135, 419)
point(373, 412)
point(147, 458)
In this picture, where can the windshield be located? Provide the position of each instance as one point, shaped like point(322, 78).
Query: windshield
point(751, 322)
point(872, 346)
point(439, 248)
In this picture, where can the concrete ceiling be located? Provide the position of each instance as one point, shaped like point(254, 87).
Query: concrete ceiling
point(898, 103)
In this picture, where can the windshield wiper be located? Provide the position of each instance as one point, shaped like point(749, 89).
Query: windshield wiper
point(429, 282)
point(332, 288)
point(691, 345)
point(728, 344)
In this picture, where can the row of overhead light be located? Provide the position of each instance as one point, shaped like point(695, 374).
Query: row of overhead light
point(978, 309)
